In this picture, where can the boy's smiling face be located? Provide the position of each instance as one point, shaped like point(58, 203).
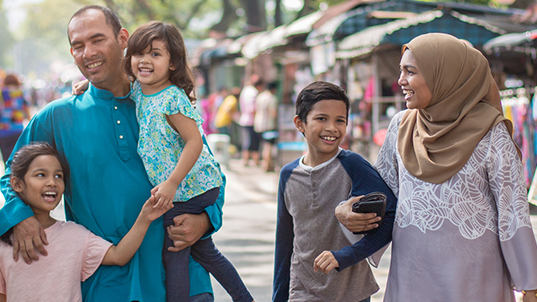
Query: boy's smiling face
point(324, 129)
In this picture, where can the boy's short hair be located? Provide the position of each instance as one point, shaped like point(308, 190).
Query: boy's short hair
point(316, 92)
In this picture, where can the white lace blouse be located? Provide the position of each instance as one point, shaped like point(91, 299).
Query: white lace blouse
point(467, 239)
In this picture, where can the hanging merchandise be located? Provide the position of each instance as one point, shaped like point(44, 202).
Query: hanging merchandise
point(517, 108)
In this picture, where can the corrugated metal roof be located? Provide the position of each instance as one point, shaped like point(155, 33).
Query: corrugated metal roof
point(366, 40)
point(325, 32)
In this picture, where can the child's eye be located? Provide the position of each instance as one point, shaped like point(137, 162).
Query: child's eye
point(40, 175)
point(155, 54)
point(341, 121)
point(60, 176)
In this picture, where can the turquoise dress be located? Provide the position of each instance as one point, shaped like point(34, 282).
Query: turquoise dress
point(160, 146)
point(98, 134)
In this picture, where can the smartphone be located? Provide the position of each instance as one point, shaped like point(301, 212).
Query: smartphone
point(371, 203)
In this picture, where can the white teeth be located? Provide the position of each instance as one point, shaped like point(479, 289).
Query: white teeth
point(329, 138)
point(50, 193)
point(407, 92)
point(94, 65)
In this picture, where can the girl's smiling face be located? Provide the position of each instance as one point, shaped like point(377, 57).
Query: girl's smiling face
point(43, 185)
point(417, 93)
point(152, 67)
point(324, 129)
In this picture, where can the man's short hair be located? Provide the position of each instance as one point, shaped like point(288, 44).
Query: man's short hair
point(111, 18)
point(316, 92)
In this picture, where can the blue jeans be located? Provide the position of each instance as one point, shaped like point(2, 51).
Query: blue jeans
point(204, 252)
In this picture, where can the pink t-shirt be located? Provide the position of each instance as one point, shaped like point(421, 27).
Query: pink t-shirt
point(74, 253)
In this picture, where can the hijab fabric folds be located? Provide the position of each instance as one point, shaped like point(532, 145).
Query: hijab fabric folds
point(436, 142)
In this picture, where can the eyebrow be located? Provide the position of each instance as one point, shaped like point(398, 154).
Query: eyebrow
point(408, 66)
point(97, 35)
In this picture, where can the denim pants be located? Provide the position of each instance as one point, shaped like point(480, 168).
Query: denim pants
point(204, 252)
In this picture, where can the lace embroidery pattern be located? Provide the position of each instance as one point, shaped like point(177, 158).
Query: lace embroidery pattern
point(488, 193)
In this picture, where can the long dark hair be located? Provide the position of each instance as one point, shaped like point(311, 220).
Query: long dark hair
point(21, 162)
point(182, 76)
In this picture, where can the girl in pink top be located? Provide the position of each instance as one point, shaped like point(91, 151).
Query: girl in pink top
point(74, 253)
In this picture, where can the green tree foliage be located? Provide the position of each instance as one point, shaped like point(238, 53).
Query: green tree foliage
point(6, 39)
point(42, 38)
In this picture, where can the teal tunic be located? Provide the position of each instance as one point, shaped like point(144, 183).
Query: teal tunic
point(108, 185)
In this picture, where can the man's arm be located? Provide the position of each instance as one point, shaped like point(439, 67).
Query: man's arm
point(27, 231)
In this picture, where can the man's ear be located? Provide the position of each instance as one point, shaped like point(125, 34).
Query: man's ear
point(298, 124)
point(17, 184)
point(123, 38)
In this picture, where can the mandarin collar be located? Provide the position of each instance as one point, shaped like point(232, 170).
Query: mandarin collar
point(104, 94)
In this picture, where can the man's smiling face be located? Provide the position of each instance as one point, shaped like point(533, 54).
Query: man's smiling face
point(97, 51)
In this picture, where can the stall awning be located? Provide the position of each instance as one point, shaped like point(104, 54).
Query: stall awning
point(401, 31)
point(263, 41)
point(303, 25)
point(324, 33)
point(509, 41)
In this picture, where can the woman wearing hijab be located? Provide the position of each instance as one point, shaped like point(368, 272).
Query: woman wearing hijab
point(462, 230)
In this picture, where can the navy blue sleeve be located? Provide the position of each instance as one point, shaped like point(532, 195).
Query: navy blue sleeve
point(366, 180)
point(284, 241)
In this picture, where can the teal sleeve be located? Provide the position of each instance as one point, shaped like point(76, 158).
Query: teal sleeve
point(15, 210)
point(215, 211)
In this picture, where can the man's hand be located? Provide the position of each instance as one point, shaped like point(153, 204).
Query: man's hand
point(325, 262)
point(29, 235)
point(355, 222)
point(188, 229)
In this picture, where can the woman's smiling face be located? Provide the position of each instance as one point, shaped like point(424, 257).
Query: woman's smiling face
point(417, 93)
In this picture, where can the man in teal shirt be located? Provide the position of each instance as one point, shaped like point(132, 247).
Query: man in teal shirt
point(97, 133)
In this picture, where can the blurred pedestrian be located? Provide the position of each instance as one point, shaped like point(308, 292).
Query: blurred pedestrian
point(462, 230)
point(228, 114)
point(265, 123)
point(251, 139)
point(14, 111)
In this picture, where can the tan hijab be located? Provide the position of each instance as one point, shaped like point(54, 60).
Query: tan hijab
point(436, 142)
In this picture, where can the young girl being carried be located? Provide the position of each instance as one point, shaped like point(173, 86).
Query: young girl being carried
point(177, 161)
point(74, 253)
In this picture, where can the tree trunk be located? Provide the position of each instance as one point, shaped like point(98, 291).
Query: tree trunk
point(255, 15)
point(228, 17)
point(278, 13)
